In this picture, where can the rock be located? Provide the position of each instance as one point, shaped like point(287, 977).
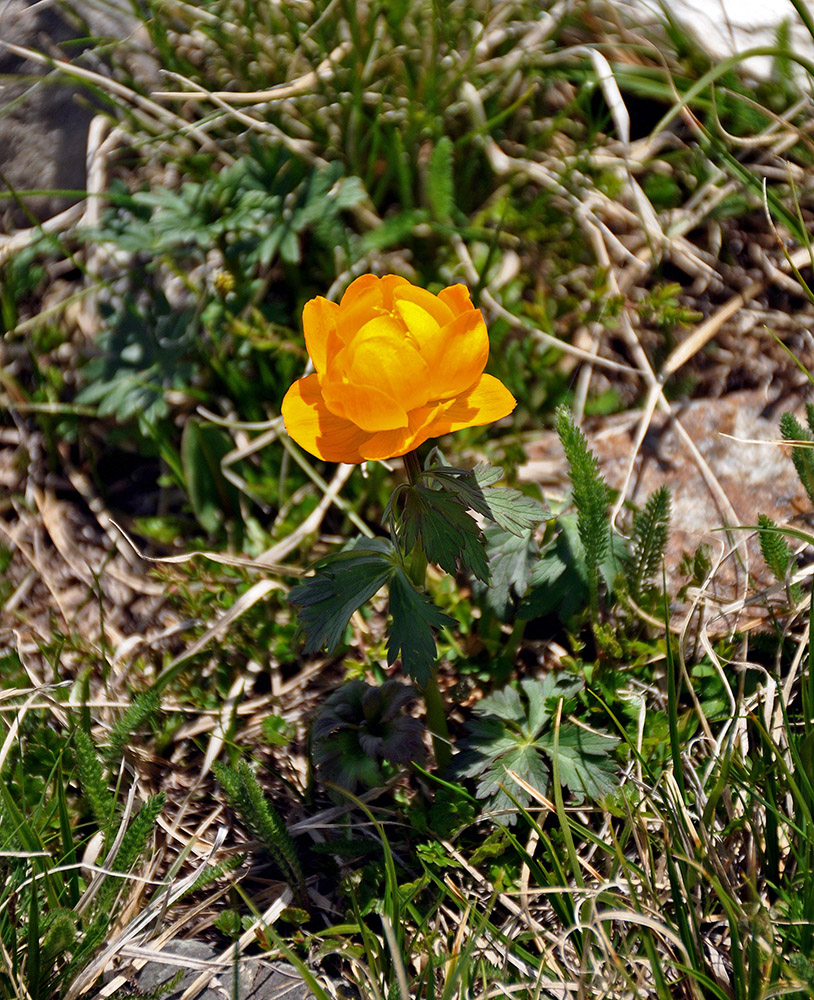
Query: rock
point(45, 116)
point(753, 477)
point(727, 27)
point(252, 979)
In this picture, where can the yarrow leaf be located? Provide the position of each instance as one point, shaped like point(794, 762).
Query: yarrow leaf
point(802, 455)
point(591, 498)
point(778, 553)
point(414, 617)
point(651, 527)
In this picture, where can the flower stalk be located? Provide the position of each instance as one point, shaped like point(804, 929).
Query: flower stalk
point(433, 700)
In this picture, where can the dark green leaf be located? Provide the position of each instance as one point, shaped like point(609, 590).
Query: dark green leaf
point(511, 560)
point(508, 508)
point(213, 497)
point(414, 617)
point(342, 583)
point(584, 763)
point(437, 522)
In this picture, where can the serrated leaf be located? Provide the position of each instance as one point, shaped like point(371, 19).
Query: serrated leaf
point(649, 538)
point(505, 704)
point(511, 560)
point(543, 695)
point(508, 508)
point(584, 764)
point(802, 456)
point(342, 584)
point(526, 763)
point(512, 733)
point(560, 579)
point(414, 617)
point(439, 524)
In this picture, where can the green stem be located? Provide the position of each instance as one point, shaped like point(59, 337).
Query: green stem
point(433, 700)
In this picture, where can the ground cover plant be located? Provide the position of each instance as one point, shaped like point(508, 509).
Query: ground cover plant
point(297, 658)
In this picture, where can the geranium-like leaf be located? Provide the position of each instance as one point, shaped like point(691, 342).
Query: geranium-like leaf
point(511, 560)
point(512, 735)
point(543, 695)
point(526, 763)
point(342, 760)
point(438, 522)
point(342, 583)
point(414, 617)
point(583, 760)
point(508, 508)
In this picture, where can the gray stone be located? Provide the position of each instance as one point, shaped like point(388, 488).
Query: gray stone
point(45, 115)
point(249, 979)
point(736, 435)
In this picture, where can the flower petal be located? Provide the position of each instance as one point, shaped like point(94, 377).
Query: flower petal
point(391, 444)
point(364, 283)
point(388, 285)
point(421, 325)
point(381, 356)
point(439, 310)
point(456, 355)
point(319, 318)
point(364, 405)
point(456, 297)
point(485, 401)
point(312, 425)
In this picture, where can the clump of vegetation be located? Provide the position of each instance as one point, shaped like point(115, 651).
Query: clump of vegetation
point(204, 628)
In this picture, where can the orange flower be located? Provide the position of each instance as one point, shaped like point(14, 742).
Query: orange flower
point(395, 365)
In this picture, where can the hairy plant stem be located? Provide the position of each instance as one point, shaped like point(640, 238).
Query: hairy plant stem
point(436, 714)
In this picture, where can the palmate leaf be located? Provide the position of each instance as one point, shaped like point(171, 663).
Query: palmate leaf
point(414, 617)
point(345, 581)
point(438, 523)
point(511, 561)
point(362, 724)
point(523, 761)
point(342, 584)
point(512, 734)
point(508, 508)
point(583, 762)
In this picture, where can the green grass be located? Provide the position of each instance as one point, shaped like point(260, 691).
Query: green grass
point(629, 811)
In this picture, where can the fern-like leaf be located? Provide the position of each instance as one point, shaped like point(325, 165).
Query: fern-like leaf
point(246, 797)
point(591, 499)
point(141, 826)
point(94, 786)
point(211, 873)
point(802, 456)
point(650, 531)
point(778, 554)
point(137, 714)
